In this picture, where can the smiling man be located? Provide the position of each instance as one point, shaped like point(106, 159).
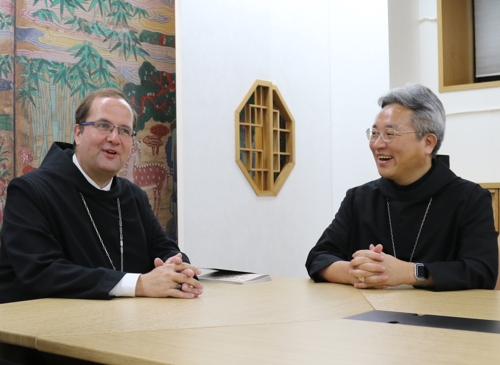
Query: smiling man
point(419, 224)
point(73, 229)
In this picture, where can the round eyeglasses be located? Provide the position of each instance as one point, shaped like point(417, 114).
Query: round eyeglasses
point(106, 127)
point(388, 134)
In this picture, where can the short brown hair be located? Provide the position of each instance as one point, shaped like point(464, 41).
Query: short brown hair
point(86, 103)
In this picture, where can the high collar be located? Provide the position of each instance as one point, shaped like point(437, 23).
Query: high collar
point(424, 188)
point(59, 161)
point(107, 187)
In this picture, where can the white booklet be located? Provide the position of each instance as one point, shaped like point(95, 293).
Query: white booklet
point(231, 276)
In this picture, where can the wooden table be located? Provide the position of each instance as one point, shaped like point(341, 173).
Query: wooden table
point(279, 300)
point(339, 341)
point(285, 321)
point(478, 304)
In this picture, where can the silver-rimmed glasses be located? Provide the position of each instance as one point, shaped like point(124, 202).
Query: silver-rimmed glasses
point(388, 134)
point(107, 127)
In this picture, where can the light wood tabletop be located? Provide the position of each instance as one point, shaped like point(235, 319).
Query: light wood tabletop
point(478, 304)
point(313, 342)
point(279, 300)
point(284, 321)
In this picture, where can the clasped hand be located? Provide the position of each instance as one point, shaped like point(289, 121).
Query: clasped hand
point(374, 269)
point(164, 279)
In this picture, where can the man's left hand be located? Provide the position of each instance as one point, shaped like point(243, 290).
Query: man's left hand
point(177, 260)
point(396, 272)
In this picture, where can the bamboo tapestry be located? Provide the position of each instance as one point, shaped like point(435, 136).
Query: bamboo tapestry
point(54, 52)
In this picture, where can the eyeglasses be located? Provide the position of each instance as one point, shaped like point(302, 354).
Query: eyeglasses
point(106, 127)
point(388, 134)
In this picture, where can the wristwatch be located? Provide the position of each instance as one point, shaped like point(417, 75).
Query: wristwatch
point(421, 274)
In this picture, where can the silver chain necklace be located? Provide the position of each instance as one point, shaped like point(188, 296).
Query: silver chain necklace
point(418, 235)
point(98, 235)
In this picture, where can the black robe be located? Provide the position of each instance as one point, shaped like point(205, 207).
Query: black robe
point(458, 241)
point(49, 247)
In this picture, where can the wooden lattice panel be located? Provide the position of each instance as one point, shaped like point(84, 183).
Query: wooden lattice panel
point(265, 138)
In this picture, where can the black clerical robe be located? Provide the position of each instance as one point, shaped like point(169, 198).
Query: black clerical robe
point(49, 247)
point(457, 243)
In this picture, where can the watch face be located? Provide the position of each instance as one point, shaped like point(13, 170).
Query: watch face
point(421, 272)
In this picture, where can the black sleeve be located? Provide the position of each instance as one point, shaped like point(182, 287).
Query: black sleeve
point(333, 244)
point(476, 263)
point(160, 245)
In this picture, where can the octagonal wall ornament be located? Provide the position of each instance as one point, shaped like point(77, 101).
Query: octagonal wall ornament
point(265, 138)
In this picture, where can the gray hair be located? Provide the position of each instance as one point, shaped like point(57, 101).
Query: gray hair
point(428, 111)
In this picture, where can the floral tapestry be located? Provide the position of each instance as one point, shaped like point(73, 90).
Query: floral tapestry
point(54, 52)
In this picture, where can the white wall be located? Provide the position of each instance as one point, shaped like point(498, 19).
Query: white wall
point(473, 116)
point(359, 52)
point(404, 40)
point(330, 61)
